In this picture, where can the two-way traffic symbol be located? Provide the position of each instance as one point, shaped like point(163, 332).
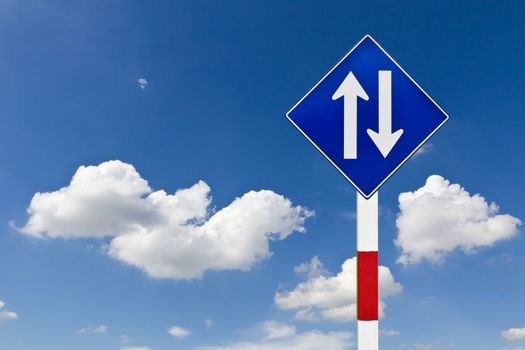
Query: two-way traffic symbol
point(351, 90)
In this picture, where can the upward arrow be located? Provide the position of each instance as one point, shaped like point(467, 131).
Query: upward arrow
point(350, 89)
point(385, 140)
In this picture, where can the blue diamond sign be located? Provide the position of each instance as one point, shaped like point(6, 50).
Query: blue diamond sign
point(367, 116)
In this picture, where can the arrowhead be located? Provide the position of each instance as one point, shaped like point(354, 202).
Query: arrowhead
point(350, 86)
point(386, 141)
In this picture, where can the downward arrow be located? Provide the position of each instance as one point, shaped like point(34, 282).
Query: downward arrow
point(350, 89)
point(385, 140)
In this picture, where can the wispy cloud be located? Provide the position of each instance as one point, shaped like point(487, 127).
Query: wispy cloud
point(424, 346)
point(503, 258)
point(125, 339)
point(426, 148)
point(277, 330)
point(98, 329)
point(389, 332)
point(6, 315)
point(513, 334)
point(280, 336)
point(348, 215)
point(313, 268)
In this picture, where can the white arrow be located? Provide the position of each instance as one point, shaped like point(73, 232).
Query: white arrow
point(350, 89)
point(385, 140)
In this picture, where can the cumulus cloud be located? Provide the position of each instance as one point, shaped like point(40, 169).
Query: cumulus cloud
point(441, 217)
point(6, 315)
point(99, 329)
point(167, 235)
point(279, 336)
point(329, 297)
point(142, 83)
point(179, 332)
point(513, 334)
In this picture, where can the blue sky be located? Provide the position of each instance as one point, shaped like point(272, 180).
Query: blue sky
point(220, 77)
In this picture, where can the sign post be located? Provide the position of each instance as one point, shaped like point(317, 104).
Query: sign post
point(367, 273)
point(367, 116)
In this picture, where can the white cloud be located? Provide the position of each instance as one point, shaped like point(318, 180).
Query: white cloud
point(143, 83)
point(313, 268)
point(277, 330)
point(426, 148)
point(125, 339)
point(99, 329)
point(440, 217)
point(278, 336)
point(424, 346)
point(6, 315)
point(323, 296)
point(208, 322)
point(348, 215)
point(389, 332)
point(513, 334)
point(179, 332)
point(135, 348)
point(167, 235)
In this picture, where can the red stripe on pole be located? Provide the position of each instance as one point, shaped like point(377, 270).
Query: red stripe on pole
point(367, 286)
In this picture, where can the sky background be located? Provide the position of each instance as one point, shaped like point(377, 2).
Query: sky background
point(220, 78)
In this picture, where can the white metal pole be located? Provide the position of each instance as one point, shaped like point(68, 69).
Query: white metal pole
point(367, 273)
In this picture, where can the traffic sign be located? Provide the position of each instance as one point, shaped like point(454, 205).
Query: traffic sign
point(367, 116)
